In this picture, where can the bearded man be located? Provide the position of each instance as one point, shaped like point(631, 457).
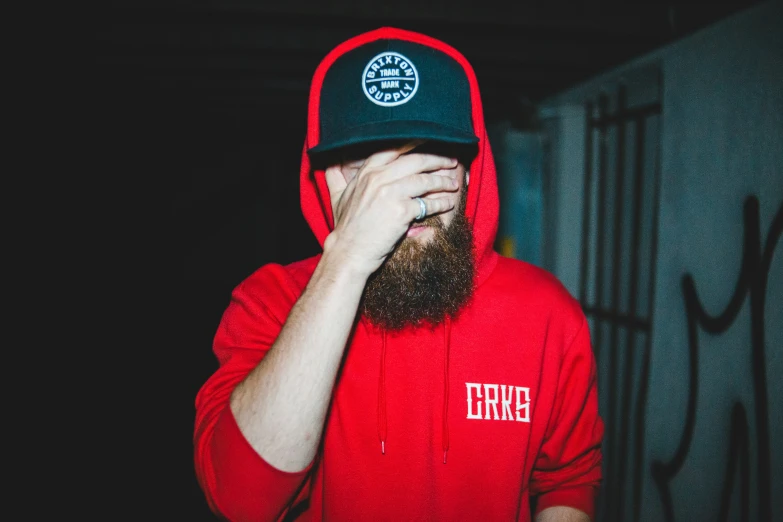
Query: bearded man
point(408, 372)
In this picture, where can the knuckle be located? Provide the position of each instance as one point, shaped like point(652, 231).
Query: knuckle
point(442, 181)
point(436, 183)
point(422, 181)
point(384, 191)
point(366, 179)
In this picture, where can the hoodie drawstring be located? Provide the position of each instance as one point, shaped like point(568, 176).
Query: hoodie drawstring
point(382, 430)
point(382, 422)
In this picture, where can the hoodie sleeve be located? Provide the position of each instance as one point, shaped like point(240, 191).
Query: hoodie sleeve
point(237, 482)
point(567, 471)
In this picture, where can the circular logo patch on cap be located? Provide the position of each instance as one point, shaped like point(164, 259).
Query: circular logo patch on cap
point(390, 79)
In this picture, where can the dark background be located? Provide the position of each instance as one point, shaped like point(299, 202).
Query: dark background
point(196, 120)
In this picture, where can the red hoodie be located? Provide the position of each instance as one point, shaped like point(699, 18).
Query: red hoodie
point(471, 421)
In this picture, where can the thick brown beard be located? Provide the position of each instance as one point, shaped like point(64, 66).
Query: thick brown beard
point(422, 284)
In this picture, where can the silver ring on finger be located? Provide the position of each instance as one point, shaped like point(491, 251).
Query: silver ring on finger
point(422, 209)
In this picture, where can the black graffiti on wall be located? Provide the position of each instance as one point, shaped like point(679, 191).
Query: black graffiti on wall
point(752, 284)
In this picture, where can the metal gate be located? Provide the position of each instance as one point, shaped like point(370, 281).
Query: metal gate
point(617, 277)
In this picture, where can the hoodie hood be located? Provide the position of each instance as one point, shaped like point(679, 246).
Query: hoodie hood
point(482, 197)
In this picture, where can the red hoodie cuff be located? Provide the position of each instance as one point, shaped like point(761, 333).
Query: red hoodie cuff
point(580, 497)
point(244, 481)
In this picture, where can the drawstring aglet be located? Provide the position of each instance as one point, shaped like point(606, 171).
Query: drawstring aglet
point(444, 456)
point(383, 448)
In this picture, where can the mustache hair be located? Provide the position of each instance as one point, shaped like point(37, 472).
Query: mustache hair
point(422, 284)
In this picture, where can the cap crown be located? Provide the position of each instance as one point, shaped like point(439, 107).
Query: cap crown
point(394, 89)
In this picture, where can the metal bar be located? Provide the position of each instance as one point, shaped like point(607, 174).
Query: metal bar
point(599, 257)
point(641, 402)
point(615, 459)
point(588, 199)
point(625, 413)
point(550, 207)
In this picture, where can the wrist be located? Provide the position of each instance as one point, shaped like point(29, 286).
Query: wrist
point(338, 258)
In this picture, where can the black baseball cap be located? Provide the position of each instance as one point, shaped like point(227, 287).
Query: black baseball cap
point(391, 90)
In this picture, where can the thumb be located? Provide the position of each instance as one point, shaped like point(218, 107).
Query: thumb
point(336, 183)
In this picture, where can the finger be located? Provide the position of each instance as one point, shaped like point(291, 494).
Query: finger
point(336, 183)
point(440, 204)
point(433, 206)
point(423, 184)
point(416, 164)
point(385, 157)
